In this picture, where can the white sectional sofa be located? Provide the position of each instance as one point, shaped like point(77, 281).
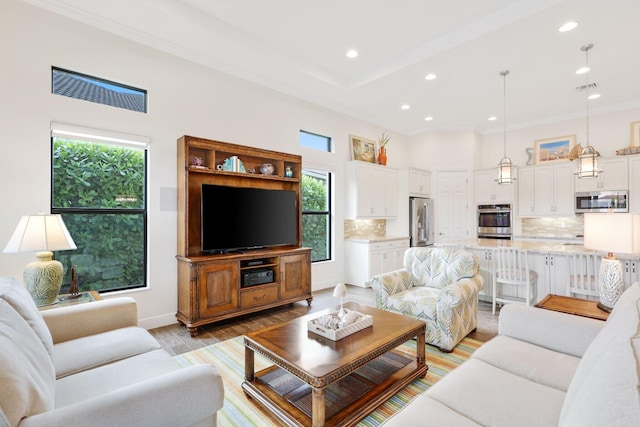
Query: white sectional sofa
point(543, 369)
point(90, 365)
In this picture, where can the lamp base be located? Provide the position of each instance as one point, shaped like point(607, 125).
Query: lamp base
point(610, 284)
point(43, 279)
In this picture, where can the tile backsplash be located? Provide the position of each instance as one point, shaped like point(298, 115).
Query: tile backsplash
point(553, 227)
point(364, 228)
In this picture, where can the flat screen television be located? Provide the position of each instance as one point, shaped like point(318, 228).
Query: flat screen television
point(236, 218)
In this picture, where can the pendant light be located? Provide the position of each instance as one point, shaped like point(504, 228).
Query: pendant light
point(588, 159)
point(506, 169)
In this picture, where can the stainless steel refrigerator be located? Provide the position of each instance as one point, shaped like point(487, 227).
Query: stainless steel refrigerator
point(421, 221)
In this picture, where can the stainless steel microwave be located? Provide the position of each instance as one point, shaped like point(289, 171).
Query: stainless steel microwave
point(602, 201)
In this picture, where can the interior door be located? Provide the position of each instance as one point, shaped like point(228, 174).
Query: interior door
point(452, 206)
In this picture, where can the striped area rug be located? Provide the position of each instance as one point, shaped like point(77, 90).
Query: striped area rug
point(240, 411)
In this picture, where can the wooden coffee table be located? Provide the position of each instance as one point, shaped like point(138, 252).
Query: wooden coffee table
point(319, 382)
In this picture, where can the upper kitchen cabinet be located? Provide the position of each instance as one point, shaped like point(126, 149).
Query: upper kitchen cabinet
point(614, 176)
point(526, 196)
point(634, 184)
point(553, 190)
point(487, 190)
point(419, 181)
point(371, 191)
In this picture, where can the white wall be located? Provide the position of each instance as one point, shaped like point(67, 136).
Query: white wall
point(608, 132)
point(184, 98)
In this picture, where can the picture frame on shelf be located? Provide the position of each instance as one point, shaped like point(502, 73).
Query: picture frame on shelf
point(363, 149)
point(551, 150)
point(635, 134)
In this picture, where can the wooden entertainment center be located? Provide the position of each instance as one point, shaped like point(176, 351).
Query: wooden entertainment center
point(210, 287)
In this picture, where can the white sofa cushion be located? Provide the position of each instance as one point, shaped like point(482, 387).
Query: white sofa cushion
point(104, 379)
point(424, 411)
point(84, 353)
point(12, 291)
point(533, 362)
point(605, 388)
point(492, 397)
point(27, 377)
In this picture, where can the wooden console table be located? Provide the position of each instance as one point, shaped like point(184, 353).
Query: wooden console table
point(571, 305)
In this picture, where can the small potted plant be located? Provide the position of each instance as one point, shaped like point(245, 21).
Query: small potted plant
point(382, 143)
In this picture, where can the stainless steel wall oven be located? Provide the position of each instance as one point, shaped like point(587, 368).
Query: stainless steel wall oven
point(494, 221)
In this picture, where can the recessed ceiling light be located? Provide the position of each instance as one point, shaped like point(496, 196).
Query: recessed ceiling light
point(594, 96)
point(492, 118)
point(405, 106)
point(428, 118)
point(352, 53)
point(430, 76)
point(568, 26)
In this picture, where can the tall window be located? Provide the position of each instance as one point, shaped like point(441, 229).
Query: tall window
point(316, 213)
point(99, 188)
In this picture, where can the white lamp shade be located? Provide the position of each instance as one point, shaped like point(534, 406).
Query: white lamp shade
point(612, 232)
point(40, 233)
point(340, 291)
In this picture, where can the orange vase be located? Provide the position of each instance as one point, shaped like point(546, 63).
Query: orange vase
point(382, 156)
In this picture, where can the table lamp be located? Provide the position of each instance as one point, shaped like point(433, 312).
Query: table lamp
point(611, 232)
point(44, 233)
point(340, 291)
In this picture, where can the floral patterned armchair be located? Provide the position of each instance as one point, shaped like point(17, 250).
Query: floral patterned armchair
point(437, 285)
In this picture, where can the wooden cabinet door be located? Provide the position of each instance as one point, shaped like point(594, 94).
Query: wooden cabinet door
point(543, 191)
point(295, 275)
point(218, 292)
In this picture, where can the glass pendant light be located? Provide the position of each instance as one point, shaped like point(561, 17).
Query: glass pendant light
point(588, 159)
point(506, 169)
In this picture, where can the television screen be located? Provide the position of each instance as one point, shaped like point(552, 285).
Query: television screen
point(243, 218)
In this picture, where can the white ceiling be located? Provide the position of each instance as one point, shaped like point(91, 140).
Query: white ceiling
point(298, 47)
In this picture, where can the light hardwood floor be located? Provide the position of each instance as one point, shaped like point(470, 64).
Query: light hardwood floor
point(175, 339)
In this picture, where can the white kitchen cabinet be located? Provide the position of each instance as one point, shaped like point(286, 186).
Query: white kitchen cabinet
point(363, 259)
point(614, 176)
point(553, 190)
point(526, 199)
point(419, 183)
point(553, 273)
point(634, 184)
point(487, 190)
point(631, 271)
point(371, 191)
point(486, 271)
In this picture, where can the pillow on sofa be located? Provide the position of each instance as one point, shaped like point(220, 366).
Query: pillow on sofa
point(604, 389)
point(13, 292)
point(26, 374)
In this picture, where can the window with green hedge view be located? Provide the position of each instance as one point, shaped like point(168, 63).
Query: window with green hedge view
point(99, 189)
point(316, 213)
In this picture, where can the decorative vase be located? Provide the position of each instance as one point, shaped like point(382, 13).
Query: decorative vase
point(382, 156)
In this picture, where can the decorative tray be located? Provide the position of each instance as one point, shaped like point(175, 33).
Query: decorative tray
point(330, 326)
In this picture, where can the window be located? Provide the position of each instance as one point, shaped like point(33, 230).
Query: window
point(315, 141)
point(99, 188)
point(94, 89)
point(316, 213)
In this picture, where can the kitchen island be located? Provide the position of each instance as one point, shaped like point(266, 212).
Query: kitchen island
point(549, 259)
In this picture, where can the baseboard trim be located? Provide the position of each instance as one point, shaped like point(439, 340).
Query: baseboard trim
point(158, 321)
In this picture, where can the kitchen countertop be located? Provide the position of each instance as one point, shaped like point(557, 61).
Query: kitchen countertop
point(376, 239)
point(531, 246)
